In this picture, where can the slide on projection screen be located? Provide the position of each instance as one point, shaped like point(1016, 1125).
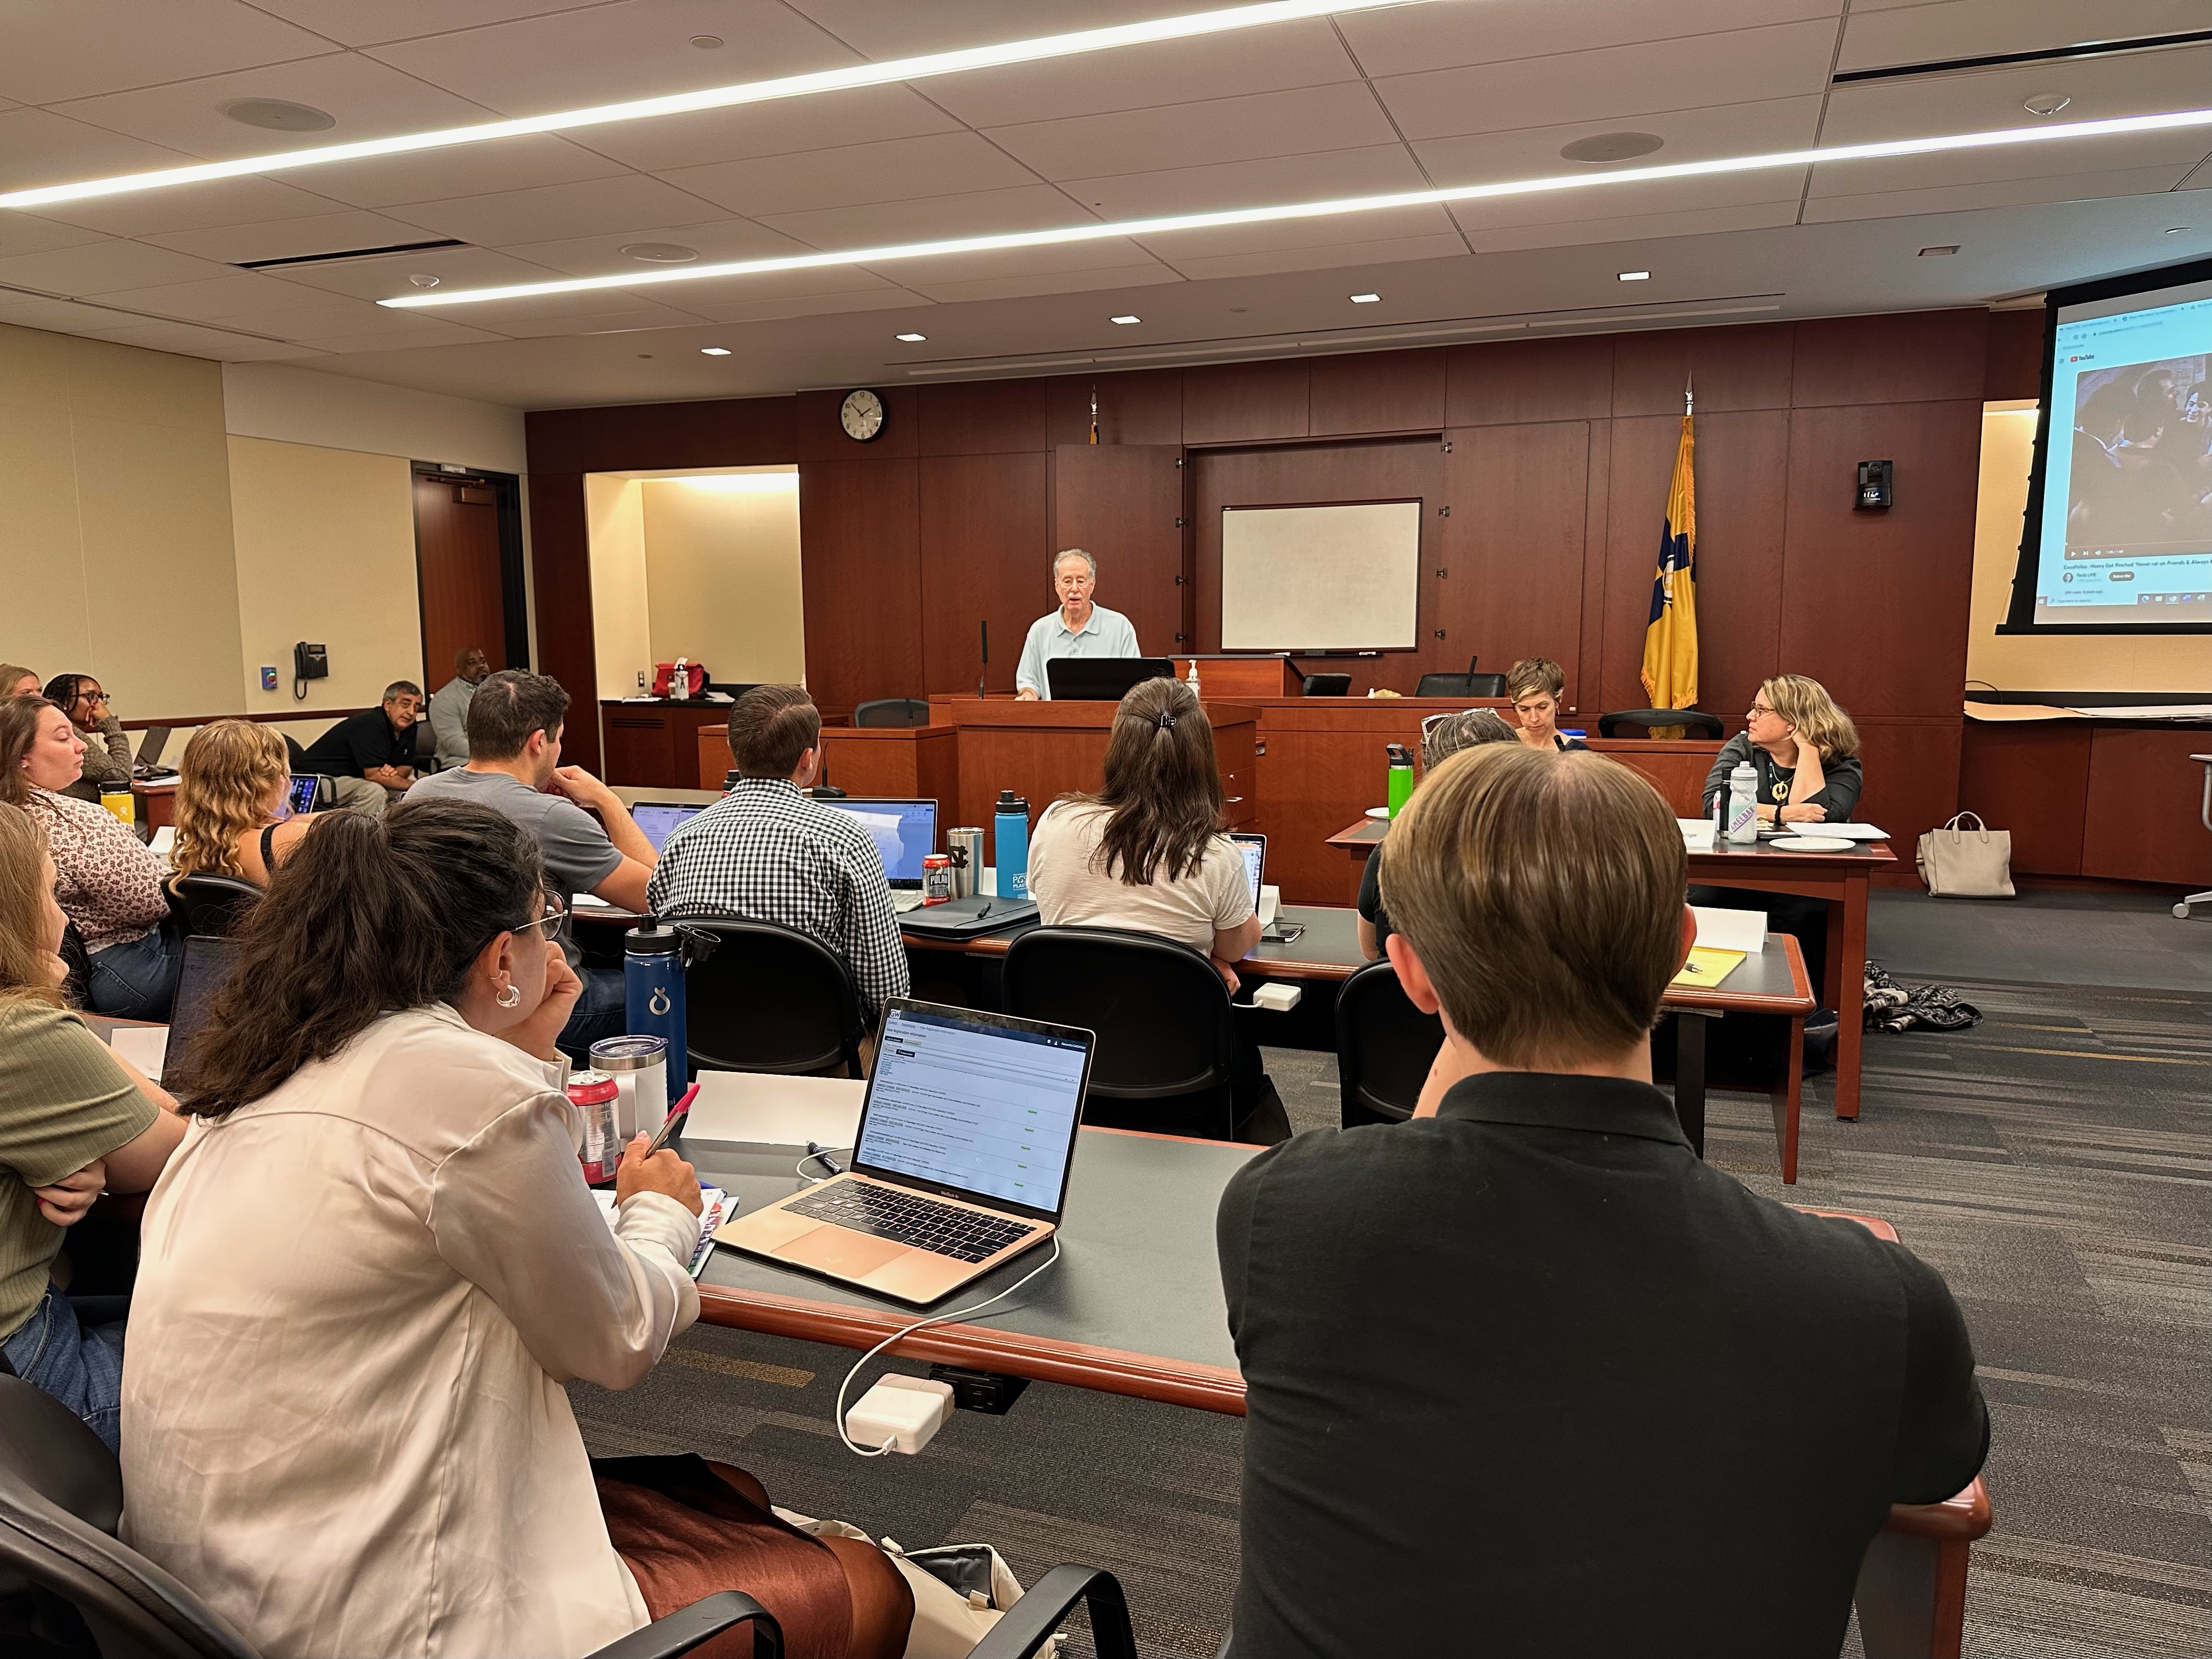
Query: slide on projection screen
point(2120, 537)
point(1320, 578)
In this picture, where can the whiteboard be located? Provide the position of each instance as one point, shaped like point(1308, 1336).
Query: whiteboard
point(1320, 578)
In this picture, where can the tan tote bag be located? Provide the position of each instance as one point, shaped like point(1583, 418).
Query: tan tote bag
point(1959, 863)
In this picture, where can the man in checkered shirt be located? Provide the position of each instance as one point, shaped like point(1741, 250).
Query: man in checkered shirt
point(765, 852)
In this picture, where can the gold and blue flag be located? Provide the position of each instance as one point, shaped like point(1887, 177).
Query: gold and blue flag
point(1670, 637)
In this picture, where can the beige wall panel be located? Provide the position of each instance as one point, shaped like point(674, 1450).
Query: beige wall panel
point(326, 551)
point(148, 388)
point(34, 369)
point(45, 626)
point(614, 509)
point(304, 405)
point(722, 578)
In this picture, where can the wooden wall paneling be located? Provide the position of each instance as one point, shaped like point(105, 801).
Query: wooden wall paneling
point(1911, 768)
point(1120, 503)
point(639, 437)
point(2012, 360)
point(1376, 470)
point(1921, 356)
point(2145, 796)
point(1743, 470)
point(561, 581)
point(816, 435)
point(2031, 779)
point(1874, 604)
point(1377, 391)
point(1677, 770)
point(1246, 403)
point(1742, 368)
point(981, 417)
point(1513, 382)
point(1513, 545)
point(456, 565)
point(860, 578)
point(984, 557)
point(1582, 704)
point(1143, 407)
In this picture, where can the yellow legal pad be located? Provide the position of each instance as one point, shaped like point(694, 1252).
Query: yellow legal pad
point(1707, 967)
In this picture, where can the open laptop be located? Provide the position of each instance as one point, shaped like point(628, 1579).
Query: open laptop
point(204, 970)
point(659, 819)
point(905, 832)
point(967, 1133)
point(148, 764)
point(1102, 679)
point(1253, 849)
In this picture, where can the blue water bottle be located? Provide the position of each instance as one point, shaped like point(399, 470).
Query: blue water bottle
point(1010, 828)
point(653, 976)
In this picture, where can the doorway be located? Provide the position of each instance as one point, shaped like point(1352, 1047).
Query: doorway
point(468, 567)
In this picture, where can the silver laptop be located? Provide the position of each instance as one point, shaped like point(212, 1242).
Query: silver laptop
point(148, 762)
point(904, 829)
point(967, 1133)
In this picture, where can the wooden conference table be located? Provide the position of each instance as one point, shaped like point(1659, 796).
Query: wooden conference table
point(1841, 879)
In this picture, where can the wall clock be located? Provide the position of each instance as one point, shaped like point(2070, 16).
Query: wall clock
point(861, 414)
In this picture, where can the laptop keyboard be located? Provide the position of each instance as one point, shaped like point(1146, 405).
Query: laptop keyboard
point(909, 1218)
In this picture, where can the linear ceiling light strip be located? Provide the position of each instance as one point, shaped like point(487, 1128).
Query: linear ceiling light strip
point(685, 103)
point(1143, 227)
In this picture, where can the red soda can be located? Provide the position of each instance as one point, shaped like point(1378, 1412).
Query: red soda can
point(592, 1094)
point(937, 879)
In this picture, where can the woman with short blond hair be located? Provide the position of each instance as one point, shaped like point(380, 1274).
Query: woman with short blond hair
point(233, 815)
point(1538, 686)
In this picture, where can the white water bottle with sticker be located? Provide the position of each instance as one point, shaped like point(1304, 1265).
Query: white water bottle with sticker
point(1743, 803)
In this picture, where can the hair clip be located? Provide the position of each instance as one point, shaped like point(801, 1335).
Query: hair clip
point(1167, 722)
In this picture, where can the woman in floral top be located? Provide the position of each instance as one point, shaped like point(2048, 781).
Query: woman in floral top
point(109, 884)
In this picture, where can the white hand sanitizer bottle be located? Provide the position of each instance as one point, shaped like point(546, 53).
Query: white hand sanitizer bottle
point(1743, 803)
point(1193, 681)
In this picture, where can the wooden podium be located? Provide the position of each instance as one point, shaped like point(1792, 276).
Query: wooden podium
point(1243, 676)
point(1042, 750)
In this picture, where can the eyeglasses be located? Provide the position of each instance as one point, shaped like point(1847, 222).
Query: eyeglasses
point(95, 694)
point(1757, 709)
point(554, 918)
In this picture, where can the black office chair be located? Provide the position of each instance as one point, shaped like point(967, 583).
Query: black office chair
point(892, 711)
point(1161, 1010)
point(1327, 685)
point(1443, 686)
point(298, 755)
point(1486, 685)
point(426, 748)
point(1695, 720)
point(61, 1497)
point(1384, 1046)
point(209, 904)
point(770, 999)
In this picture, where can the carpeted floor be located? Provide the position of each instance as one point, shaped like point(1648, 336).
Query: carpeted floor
point(2054, 1163)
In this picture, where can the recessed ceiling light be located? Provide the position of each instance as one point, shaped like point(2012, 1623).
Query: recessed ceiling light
point(1612, 147)
point(755, 92)
point(1125, 319)
point(1634, 276)
point(913, 339)
point(714, 351)
point(1070, 235)
point(706, 42)
point(423, 279)
point(277, 116)
point(2045, 103)
point(1366, 299)
point(1938, 252)
point(661, 253)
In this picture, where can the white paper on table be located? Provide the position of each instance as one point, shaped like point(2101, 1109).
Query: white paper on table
point(759, 1108)
point(144, 1046)
point(588, 901)
point(1696, 834)
point(1731, 930)
point(164, 844)
point(1844, 831)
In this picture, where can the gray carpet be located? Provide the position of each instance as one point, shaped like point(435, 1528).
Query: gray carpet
point(2053, 1163)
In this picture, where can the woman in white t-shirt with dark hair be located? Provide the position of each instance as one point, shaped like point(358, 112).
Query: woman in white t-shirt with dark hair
point(1146, 853)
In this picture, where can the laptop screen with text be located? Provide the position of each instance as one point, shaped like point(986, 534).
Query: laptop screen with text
point(657, 820)
point(976, 1105)
point(1253, 849)
point(904, 832)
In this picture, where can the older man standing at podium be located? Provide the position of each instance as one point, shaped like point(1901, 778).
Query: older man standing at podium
point(1078, 629)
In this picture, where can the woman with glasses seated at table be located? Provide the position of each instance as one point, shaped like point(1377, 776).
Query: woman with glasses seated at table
point(233, 807)
point(374, 1266)
point(107, 745)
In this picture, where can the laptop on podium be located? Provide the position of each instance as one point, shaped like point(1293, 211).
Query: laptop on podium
point(967, 1133)
point(1102, 679)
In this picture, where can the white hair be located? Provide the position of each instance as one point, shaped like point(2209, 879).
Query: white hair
point(1068, 553)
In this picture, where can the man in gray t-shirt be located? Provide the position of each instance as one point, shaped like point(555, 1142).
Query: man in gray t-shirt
point(515, 721)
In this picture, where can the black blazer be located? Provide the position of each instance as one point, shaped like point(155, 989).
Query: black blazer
point(1529, 1378)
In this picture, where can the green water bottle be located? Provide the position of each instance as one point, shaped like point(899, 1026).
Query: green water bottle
point(1401, 776)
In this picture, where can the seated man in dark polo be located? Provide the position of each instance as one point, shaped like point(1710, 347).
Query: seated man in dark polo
point(1523, 1376)
point(371, 756)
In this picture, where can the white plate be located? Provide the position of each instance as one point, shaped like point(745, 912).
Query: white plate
point(1811, 844)
point(1378, 811)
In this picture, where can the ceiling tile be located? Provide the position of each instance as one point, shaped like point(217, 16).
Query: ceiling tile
point(1338, 256)
point(905, 31)
point(592, 206)
point(191, 340)
point(716, 241)
point(19, 232)
point(193, 207)
point(302, 311)
point(2175, 151)
point(860, 116)
point(215, 298)
point(1408, 39)
point(104, 268)
point(1383, 225)
point(39, 147)
point(1185, 134)
point(369, 99)
point(90, 46)
point(1699, 221)
point(821, 305)
point(1288, 55)
point(714, 296)
point(445, 334)
point(628, 318)
point(58, 316)
point(980, 213)
point(357, 25)
point(1611, 85)
point(1880, 36)
point(2133, 83)
point(463, 170)
point(2004, 193)
point(605, 54)
point(1691, 135)
point(1374, 170)
point(1657, 199)
point(899, 169)
point(293, 239)
point(386, 276)
point(1066, 282)
point(924, 275)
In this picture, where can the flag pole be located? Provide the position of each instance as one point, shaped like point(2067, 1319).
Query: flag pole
point(1689, 398)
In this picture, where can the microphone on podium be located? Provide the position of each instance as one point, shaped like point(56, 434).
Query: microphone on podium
point(982, 678)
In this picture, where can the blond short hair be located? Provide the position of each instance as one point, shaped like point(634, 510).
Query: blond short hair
point(1543, 894)
point(1534, 674)
point(1806, 704)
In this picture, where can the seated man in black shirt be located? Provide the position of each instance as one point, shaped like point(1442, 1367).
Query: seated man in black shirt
point(1523, 1376)
point(371, 755)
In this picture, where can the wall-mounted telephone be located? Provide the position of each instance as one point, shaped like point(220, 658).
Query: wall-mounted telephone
point(309, 662)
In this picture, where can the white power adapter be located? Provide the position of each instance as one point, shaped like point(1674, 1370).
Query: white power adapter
point(900, 1413)
point(1278, 996)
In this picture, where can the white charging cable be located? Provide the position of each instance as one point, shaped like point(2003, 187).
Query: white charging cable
point(901, 1335)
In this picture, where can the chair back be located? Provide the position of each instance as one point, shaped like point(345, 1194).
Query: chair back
point(1698, 723)
point(1161, 1011)
point(426, 747)
point(1443, 686)
point(61, 1498)
point(770, 999)
point(211, 904)
point(1486, 685)
point(1384, 1046)
point(892, 711)
point(1327, 685)
point(298, 754)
